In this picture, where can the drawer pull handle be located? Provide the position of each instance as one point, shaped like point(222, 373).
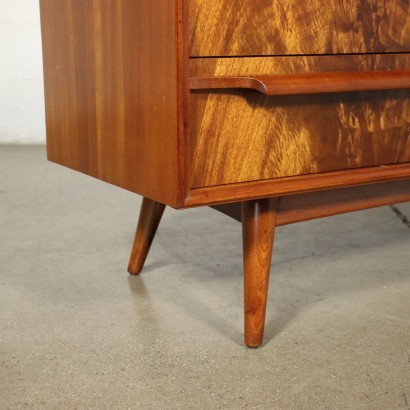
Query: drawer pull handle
point(311, 83)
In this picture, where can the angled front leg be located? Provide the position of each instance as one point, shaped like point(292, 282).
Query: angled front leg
point(150, 217)
point(258, 229)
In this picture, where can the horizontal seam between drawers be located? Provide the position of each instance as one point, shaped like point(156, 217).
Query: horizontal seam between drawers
point(300, 55)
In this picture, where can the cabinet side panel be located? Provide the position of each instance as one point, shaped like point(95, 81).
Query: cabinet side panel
point(110, 69)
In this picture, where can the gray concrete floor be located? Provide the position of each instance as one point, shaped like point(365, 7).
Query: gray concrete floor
point(76, 332)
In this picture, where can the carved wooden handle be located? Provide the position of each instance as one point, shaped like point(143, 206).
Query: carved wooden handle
point(311, 83)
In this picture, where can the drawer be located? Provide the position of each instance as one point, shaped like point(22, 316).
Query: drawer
point(243, 135)
point(295, 27)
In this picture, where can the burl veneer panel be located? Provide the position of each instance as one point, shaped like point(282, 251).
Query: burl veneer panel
point(111, 91)
point(241, 135)
point(283, 27)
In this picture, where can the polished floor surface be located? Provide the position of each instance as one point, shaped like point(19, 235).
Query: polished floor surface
point(76, 332)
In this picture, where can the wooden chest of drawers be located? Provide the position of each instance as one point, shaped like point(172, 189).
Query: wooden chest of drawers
point(272, 112)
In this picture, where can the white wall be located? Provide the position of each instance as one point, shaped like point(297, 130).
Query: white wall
point(21, 85)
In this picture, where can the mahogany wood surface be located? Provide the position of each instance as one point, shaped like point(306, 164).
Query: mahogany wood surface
point(119, 107)
point(232, 209)
point(241, 136)
point(293, 185)
point(150, 217)
point(299, 208)
point(304, 207)
point(272, 27)
point(258, 229)
point(112, 98)
point(311, 83)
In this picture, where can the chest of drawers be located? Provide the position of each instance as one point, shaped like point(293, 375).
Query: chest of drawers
point(272, 112)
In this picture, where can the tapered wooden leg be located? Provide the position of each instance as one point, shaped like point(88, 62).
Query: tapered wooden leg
point(150, 217)
point(258, 229)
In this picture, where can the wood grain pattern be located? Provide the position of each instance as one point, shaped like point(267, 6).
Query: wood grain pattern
point(290, 27)
point(258, 228)
point(239, 136)
point(294, 185)
point(310, 83)
point(150, 217)
point(119, 108)
point(112, 100)
point(313, 205)
point(304, 207)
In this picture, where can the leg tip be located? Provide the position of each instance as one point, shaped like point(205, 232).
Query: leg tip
point(134, 270)
point(253, 344)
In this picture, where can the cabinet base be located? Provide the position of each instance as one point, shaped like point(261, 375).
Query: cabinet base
point(259, 219)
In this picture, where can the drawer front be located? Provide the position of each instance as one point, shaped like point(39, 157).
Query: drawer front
point(290, 27)
point(242, 135)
